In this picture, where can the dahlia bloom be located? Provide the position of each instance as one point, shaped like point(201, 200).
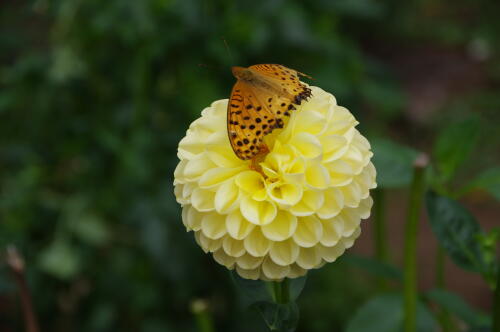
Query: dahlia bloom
point(300, 211)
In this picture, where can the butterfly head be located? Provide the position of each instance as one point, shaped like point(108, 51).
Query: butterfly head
point(242, 73)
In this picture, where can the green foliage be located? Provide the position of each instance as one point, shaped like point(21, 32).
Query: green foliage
point(456, 305)
point(374, 267)
point(459, 234)
point(454, 145)
point(488, 180)
point(394, 163)
point(384, 313)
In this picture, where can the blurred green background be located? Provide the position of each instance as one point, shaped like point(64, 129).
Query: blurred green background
point(95, 96)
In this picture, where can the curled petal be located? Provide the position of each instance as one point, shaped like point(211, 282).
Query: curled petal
point(309, 258)
point(281, 228)
point(256, 244)
point(226, 198)
point(285, 193)
point(237, 226)
point(213, 226)
point(284, 252)
point(258, 212)
point(309, 231)
point(203, 200)
point(312, 200)
point(274, 271)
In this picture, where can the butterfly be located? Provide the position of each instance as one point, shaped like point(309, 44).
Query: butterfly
point(262, 96)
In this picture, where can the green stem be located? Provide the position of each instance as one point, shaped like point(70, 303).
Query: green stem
point(443, 315)
point(410, 255)
point(496, 304)
point(202, 315)
point(380, 231)
point(281, 291)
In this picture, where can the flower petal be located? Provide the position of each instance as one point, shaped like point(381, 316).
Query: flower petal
point(274, 271)
point(237, 226)
point(309, 231)
point(311, 201)
point(213, 225)
point(226, 198)
point(258, 212)
point(256, 244)
point(284, 252)
point(281, 228)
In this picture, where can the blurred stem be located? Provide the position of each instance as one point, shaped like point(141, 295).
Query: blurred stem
point(496, 303)
point(380, 231)
point(16, 263)
point(443, 315)
point(281, 291)
point(202, 315)
point(410, 254)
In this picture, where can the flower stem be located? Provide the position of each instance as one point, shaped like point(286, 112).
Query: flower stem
point(443, 315)
point(202, 315)
point(380, 231)
point(410, 255)
point(496, 304)
point(281, 291)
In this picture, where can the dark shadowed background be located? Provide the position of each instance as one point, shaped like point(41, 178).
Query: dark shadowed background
point(95, 96)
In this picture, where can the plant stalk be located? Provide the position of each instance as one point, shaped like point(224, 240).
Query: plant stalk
point(204, 321)
point(410, 248)
point(281, 291)
point(443, 315)
point(496, 304)
point(380, 231)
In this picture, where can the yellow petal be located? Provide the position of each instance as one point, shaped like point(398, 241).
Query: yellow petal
point(208, 245)
point(284, 252)
point(308, 122)
point(330, 254)
point(223, 259)
point(250, 181)
point(249, 262)
point(341, 173)
point(258, 212)
point(195, 168)
point(274, 271)
point(213, 225)
point(296, 271)
point(248, 274)
point(365, 207)
point(334, 147)
point(281, 228)
point(203, 200)
point(307, 145)
point(217, 176)
point(309, 258)
point(256, 244)
point(191, 218)
point(309, 231)
point(226, 198)
point(311, 201)
point(352, 194)
point(349, 241)
point(285, 193)
point(332, 231)
point(317, 176)
point(333, 203)
point(232, 247)
point(237, 226)
point(350, 220)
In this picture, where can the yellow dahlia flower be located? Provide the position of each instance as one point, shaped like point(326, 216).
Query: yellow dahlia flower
point(301, 211)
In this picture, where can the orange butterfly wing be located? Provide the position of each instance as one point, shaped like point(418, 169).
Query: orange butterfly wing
point(254, 111)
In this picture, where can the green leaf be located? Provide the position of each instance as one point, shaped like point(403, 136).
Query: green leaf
point(252, 291)
point(489, 180)
point(279, 317)
point(60, 259)
point(456, 305)
point(296, 286)
point(457, 231)
point(374, 266)
point(90, 229)
point(384, 313)
point(394, 163)
point(454, 145)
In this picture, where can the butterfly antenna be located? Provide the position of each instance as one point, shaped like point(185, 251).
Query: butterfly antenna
point(228, 50)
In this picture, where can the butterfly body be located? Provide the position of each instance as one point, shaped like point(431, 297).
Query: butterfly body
point(262, 96)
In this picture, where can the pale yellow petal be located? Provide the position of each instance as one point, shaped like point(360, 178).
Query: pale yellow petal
point(258, 212)
point(284, 252)
point(223, 259)
point(203, 200)
point(332, 204)
point(213, 225)
point(308, 258)
point(312, 200)
point(256, 244)
point(309, 231)
point(281, 228)
point(226, 198)
point(285, 193)
point(237, 226)
point(274, 271)
point(232, 247)
point(249, 262)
